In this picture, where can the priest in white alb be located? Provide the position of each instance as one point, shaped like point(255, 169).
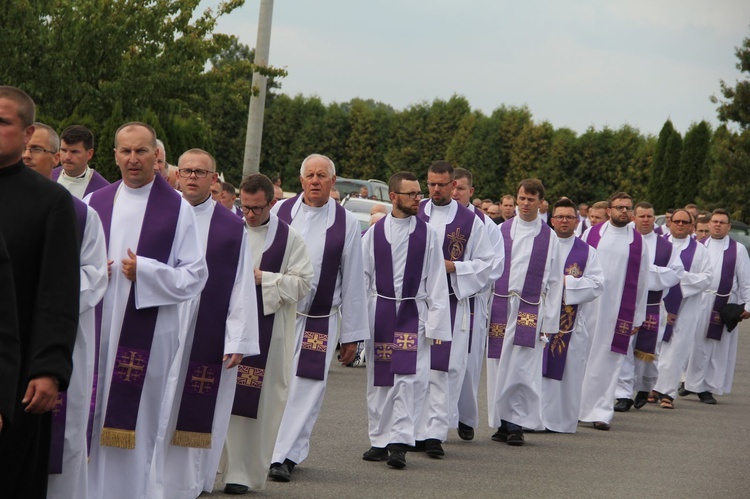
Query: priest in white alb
point(336, 303)
point(525, 313)
point(612, 318)
point(408, 308)
point(158, 262)
point(217, 329)
point(283, 275)
point(683, 306)
point(565, 354)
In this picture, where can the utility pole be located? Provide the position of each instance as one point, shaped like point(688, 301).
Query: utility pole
point(251, 163)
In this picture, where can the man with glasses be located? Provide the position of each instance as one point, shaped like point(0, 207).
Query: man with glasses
point(68, 463)
point(217, 328)
point(283, 275)
point(479, 307)
point(564, 359)
point(337, 302)
point(525, 313)
point(76, 150)
point(468, 261)
point(639, 368)
point(683, 307)
point(710, 369)
point(408, 303)
point(620, 309)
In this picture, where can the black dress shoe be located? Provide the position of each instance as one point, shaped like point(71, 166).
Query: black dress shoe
point(375, 454)
point(601, 425)
point(707, 398)
point(641, 399)
point(396, 458)
point(515, 438)
point(501, 435)
point(236, 489)
point(465, 432)
point(281, 472)
point(682, 391)
point(433, 448)
point(623, 405)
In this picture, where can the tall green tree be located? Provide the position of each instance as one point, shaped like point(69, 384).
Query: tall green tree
point(729, 179)
point(656, 183)
point(736, 106)
point(670, 173)
point(693, 165)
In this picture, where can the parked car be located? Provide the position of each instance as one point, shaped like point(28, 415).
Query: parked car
point(349, 186)
point(361, 208)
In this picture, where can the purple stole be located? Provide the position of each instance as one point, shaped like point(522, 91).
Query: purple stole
point(659, 230)
point(397, 333)
point(201, 388)
point(528, 314)
point(312, 357)
point(138, 326)
point(457, 234)
point(252, 370)
point(674, 297)
point(729, 260)
point(238, 212)
point(481, 216)
point(57, 436)
point(95, 183)
point(556, 351)
point(626, 313)
point(648, 334)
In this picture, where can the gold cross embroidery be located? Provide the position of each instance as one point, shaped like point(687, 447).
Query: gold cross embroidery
point(132, 365)
point(456, 247)
point(203, 376)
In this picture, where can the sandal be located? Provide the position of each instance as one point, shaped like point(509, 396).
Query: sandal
point(666, 403)
point(653, 397)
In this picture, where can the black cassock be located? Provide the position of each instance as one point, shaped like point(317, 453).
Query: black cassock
point(38, 224)
point(9, 353)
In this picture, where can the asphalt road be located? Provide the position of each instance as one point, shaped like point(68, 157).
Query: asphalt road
point(695, 450)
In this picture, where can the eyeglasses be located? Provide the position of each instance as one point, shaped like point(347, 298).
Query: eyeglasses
point(681, 222)
point(437, 184)
point(718, 222)
point(622, 208)
point(199, 173)
point(38, 150)
point(566, 218)
point(412, 195)
point(257, 210)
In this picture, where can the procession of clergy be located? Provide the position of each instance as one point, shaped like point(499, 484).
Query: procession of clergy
point(204, 338)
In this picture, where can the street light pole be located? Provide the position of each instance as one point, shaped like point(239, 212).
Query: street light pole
point(251, 163)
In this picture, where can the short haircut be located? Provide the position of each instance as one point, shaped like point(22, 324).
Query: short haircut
point(691, 206)
point(564, 203)
point(440, 167)
point(683, 210)
point(331, 166)
point(669, 211)
point(618, 195)
point(508, 196)
point(140, 124)
point(532, 186)
point(703, 219)
point(394, 183)
point(581, 205)
point(487, 200)
point(77, 133)
point(644, 205)
point(464, 173)
point(195, 150)
point(257, 182)
point(721, 211)
point(54, 139)
point(26, 107)
point(227, 187)
point(160, 145)
point(599, 205)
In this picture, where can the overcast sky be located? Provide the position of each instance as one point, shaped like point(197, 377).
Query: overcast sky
point(575, 63)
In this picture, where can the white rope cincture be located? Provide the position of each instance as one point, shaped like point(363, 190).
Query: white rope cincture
point(712, 292)
point(514, 293)
point(334, 311)
point(408, 298)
